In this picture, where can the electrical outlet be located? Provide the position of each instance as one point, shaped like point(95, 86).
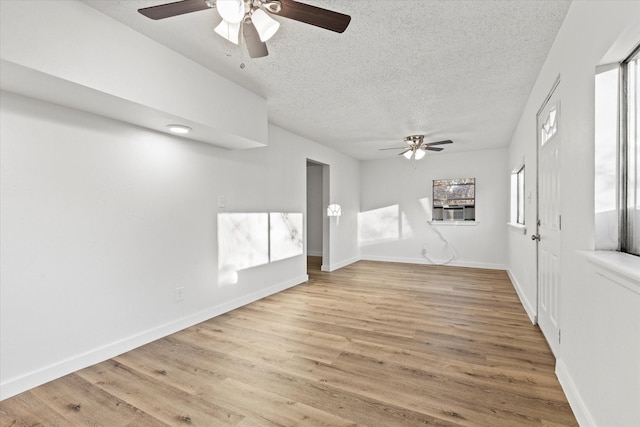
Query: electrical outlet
point(180, 293)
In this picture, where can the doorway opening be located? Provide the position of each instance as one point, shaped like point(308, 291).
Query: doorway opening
point(317, 240)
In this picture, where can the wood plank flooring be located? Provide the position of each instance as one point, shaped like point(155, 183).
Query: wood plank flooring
point(372, 344)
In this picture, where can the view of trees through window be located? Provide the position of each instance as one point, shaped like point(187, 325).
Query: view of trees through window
point(454, 192)
point(454, 199)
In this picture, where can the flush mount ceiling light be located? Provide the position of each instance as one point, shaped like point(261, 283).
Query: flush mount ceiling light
point(179, 129)
point(252, 18)
point(417, 148)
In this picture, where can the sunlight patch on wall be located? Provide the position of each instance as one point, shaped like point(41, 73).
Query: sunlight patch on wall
point(378, 225)
point(427, 207)
point(405, 231)
point(285, 235)
point(243, 242)
point(248, 240)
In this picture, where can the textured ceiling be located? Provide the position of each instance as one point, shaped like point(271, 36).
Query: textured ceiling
point(459, 70)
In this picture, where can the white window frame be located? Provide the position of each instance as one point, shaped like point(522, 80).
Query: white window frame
point(517, 196)
point(616, 157)
point(629, 222)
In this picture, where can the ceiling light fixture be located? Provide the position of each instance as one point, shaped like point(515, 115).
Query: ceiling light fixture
point(229, 30)
point(266, 25)
point(179, 129)
point(416, 148)
point(235, 13)
point(232, 11)
point(249, 22)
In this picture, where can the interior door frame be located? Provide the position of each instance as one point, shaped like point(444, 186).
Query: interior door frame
point(550, 94)
point(326, 197)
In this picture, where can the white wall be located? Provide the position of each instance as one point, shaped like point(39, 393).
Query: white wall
point(101, 221)
point(404, 188)
point(599, 360)
point(315, 209)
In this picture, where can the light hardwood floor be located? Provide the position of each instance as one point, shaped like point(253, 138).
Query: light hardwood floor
point(376, 344)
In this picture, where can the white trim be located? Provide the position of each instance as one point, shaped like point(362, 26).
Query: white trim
point(618, 267)
point(517, 168)
point(518, 227)
point(456, 263)
point(334, 267)
point(529, 308)
point(580, 410)
point(14, 386)
point(314, 253)
point(450, 223)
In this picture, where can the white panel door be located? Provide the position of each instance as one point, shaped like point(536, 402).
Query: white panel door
point(549, 220)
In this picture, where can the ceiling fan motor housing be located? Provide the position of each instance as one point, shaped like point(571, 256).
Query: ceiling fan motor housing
point(257, 26)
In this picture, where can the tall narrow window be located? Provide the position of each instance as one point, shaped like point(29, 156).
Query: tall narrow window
point(517, 196)
point(520, 196)
point(630, 155)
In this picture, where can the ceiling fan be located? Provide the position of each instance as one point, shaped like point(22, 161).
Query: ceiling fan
point(252, 18)
point(417, 148)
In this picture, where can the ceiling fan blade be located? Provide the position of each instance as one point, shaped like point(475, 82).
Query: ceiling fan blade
point(394, 148)
point(173, 9)
point(256, 47)
point(313, 15)
point(433, 148)
point(405, 151)
point(429, 144)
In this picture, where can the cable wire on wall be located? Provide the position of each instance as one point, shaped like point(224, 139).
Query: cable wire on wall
point(453, 254)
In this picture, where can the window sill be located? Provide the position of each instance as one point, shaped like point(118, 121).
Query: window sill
point(453, 223)
point(618, 267)
point(518, 227)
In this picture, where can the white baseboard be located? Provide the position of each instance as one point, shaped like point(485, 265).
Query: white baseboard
point(580, 410)
point(33, 379)
point(531, 309)
point(314, 253)
point(334, 267)
point(454, 263)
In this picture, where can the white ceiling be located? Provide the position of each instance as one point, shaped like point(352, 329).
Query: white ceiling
point(459, 70)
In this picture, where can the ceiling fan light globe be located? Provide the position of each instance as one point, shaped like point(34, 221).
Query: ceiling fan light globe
point(408, 154)
point(232, 11)
point(229, 30)
point(420, 154)
point(265, 25)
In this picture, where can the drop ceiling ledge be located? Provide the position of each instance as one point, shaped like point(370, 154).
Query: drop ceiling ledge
point(116, 72)
point(34, 84)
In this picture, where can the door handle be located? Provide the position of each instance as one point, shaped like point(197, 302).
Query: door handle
point(535, 237)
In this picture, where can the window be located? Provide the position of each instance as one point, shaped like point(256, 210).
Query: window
point(454, 199)
point(550, 126)
point(617, 156)
point(517, 196)
point(630, 156)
